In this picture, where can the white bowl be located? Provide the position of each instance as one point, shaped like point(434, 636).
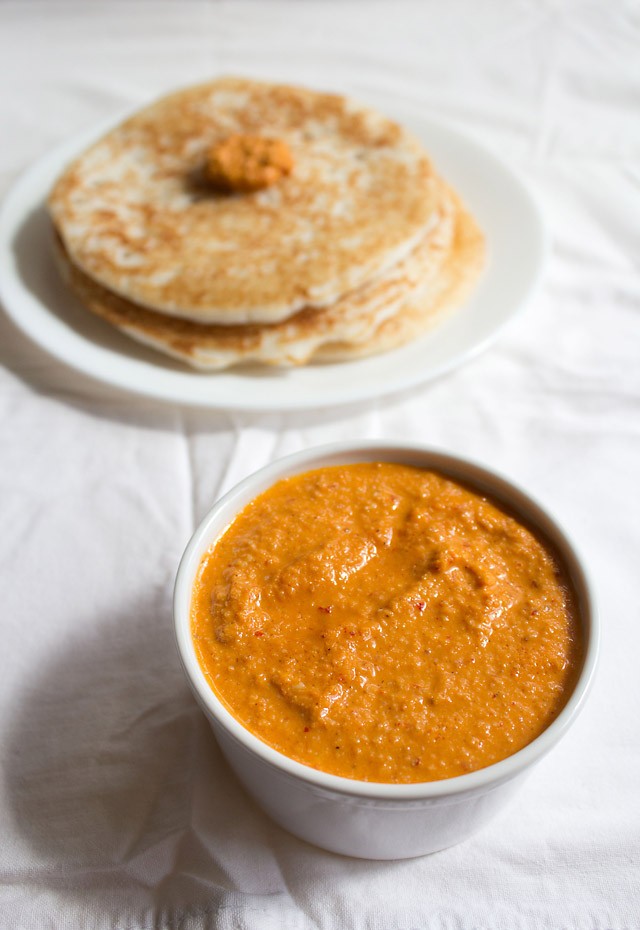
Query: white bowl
point(368, 819)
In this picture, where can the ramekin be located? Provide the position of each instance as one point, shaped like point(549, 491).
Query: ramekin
point(368, 819)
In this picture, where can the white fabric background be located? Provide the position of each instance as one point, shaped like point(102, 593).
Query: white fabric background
point(116, 810)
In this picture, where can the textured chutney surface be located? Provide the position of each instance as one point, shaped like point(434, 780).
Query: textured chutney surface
point(385, 623)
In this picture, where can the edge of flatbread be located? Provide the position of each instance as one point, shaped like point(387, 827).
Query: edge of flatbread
point(380, 316)
point(454, 284)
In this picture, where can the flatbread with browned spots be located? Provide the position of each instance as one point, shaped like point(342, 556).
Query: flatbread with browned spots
point(137, 216)
point(379, 316)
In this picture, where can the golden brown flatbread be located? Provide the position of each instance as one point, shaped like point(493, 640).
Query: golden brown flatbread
point(138, 217)
point(379, 316)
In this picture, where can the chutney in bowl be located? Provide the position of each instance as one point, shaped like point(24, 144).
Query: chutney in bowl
point(375, 629)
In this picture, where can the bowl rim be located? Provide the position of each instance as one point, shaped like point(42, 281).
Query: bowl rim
point(459, 467)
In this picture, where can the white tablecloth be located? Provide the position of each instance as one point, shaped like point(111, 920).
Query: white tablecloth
point(116, 810)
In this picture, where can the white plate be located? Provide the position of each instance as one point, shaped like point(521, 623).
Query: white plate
point(41, 305)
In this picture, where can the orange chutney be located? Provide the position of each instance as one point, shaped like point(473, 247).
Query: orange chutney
point(386, 623)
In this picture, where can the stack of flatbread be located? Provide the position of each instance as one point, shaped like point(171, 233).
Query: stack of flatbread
point(359, 248)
